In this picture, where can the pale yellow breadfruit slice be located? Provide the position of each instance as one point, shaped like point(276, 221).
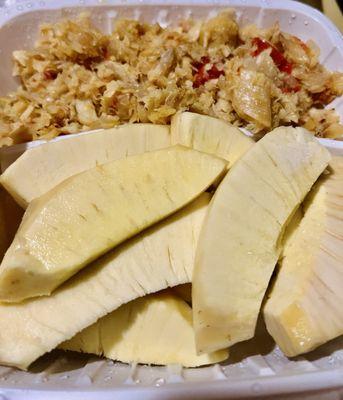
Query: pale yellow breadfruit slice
point(154, 329)
point(305, 305)
point(92, 212)
point(42, 168)
point(239, 243)
point(3, 227)
point(10, 218)
point(160, 257)
point(184, 292)
point(210, 135)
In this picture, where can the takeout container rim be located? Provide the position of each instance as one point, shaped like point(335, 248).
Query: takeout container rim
point(220, 386)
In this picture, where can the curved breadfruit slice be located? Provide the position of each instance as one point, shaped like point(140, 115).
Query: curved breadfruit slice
point(305, 305)
point(210, 135)
point(184, 292)
point(155, 329)
point(160, 257)
point(92, 212)
point(3, 227)
point(42, 168)
point(239, 243)
point(10, 218)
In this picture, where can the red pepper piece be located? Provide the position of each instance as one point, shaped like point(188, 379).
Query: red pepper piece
point(278, 58)
point(202, 75)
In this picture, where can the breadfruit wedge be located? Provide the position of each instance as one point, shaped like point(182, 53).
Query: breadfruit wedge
point(305, 305)
point(92, 212)
point(3, 227)
point(160, 257)
point(239, 243)
point(154, 329)
point(42, 168)
point(184, 292)
point(10, 218)
point(210, 135)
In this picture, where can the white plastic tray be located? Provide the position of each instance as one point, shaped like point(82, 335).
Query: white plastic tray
point(256, 367)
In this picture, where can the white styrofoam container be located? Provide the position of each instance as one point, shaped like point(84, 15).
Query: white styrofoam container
point(256, 367)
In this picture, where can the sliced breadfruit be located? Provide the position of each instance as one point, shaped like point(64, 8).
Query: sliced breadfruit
point(155, 329)
point(42, 168)
point(92, 212)
point(10, 219)
point(239, 243)
point(184, 292)
point(3, 228)
point(210, 135)
point(160, 257)
point(304, 309)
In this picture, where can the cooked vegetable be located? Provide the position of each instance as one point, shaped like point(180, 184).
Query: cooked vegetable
point(239, 243)
point(210, 135)
point(90, 213)
point(103, 197)
point(51, 163)
point(3, 230)
point(252, 99)
point(155, 329)
point(10, 218)
point(161, 256)
point(184, 292)
point(305, 305)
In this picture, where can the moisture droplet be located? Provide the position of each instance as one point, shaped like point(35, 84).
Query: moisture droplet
point(42, 3)
point(306, 22)
point(19, 8)
point(63, 377)
point(107, 378)
point(29, 5)
point(137, 381)
point(159, 382)
point(293, 16)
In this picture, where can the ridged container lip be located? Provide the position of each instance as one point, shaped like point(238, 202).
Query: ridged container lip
point(255, 375)
point(13, 8)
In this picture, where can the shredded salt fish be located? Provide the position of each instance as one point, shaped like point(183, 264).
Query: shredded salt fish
point(77, 78)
